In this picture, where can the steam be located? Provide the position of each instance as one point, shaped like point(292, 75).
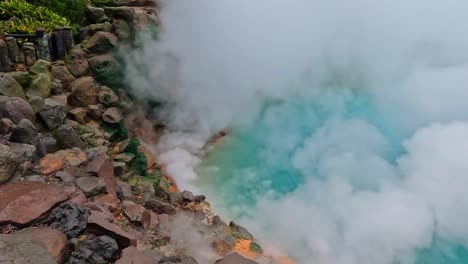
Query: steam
point(363, 104)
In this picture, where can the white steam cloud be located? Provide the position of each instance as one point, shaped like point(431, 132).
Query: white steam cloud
point(217, 61)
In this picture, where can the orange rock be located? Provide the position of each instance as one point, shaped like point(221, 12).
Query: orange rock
point(50, 163)
point(243, 248)
point(72, 157)
point(149, 156)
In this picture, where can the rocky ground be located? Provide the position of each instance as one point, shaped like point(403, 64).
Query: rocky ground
point(78, 184)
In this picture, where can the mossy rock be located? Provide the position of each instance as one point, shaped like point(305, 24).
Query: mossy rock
point(22, 77)
point(10, 87)
point(41, 66)
point(41, 85)
point(107, 70)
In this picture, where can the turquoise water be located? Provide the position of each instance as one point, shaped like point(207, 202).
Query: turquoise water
point(256, 159)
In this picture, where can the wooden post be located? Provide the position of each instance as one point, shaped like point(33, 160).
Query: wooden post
point(5, 62)
point(43, 44)
point(13, 50)
point(67, 39)
point(59, 44)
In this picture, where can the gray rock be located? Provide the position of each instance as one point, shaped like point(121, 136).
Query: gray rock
point(91, 186)
point(188, 196)
point(6, 126)
point(112, 115)
point(10, 87)
point(77, 63)
point(22, 77)
point(66, 177)
point(41, 85)
point(95, 14)
point(36, 103)
point(240, 231)
point(8, 163)
point(83, 92)
point(23, 152)
point(35, 178)
point(24, 132)
point(52, 113)
point(15, 109)
point(121, 28)
point(160, 207)
point(69, 218)
point(175, 198)
point(95, 250)
point(23, 249)
point(68, 138)
point(101, 42)
point(49, 143)
point(63, 76)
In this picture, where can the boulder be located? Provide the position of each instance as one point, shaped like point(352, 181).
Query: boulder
point(121, 12)
point(79, 115)
point(6, 126)
point(125, 190)
point(63, 76)
point(106, 70)
point(240, 232)
point(77, 63)
point(41, 85)
point(94, 250)
point(160, 207)
point(91, 186)
point(101, 42)
point(24, 132)
point(101, 166)
point(52, 113)
point(74, 157)
point(36, 103)
point(135, 256)
point(24, 249)
point(102, 227)
point(149, 220)
point(23, 202)
point(108, 200)
point(65, 177)
point(133, 211)
point(50, 163)
point(49, 143)
point(107, 97)
point(8, 163)
point(53, 240)
point(121, 28)
point(41, 67)
point(112, 115)
point(188, 196)
point(69, 219)
point(175, 198)
point(95, 111)
point(68, 138)
point(83, 92)
point(15, 109)
point(10, 87)
point(22, 77)
point(95, 14)
point(235, 258)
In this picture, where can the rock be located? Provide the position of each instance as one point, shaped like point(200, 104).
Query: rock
point(23, 249)
point(95, 111)
point(160, 207)
point(79, 115)
point(49, 143)
point(23, 152)
point(91, 186)
point(52, 113)
point(101, 42)
point(94, 250)
point(77, 63)
point(68, 138)
point(240, 232)
point(175, 198)
point(133, 211)
point(72, 157)
point(107, 97)
point(50, 163)
point(178, 260)
point(78, 198)
point(106, 69)
point(56, 87)
point(23, 202)
point(200, 198)
point(94, 28)
point(124, 157)
point(112, 116)
point(149, 220)
point(119, 168)
point(164, 219)
point(8, 163)
point(95, 14)
point(121, 28)
point(102, 166)
point(188, 196)
point(36, 102)
point(131, 255)
point(63, 76)
point(41, 67)
point(34, 178)
point(108, 200)
point(69, 219)
point(66, 177)
point(10, 87)
point(24, 132)
point(122, 12)
point(83, 92)
point(125, 189)
point(15, 109)
point(101, 226)
point(41, 85)
point(235, 258)
point(6, 126)
point(101, 211)
point(22, 77)
point(145, 3)
point(53, 240)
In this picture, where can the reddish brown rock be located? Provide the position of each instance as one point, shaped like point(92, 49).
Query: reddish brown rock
point(78, 198)
point(100, 211)
point(132, 255)
point(125, 189)
point(72, 157)
point(15, 109)
point(149, 220)
point(53, 240)
point(133, 211)
point(6, 126)
point(50, 163)
point(83, 92)
point(23, 202)
point(102, 166)
point(108, 200)
point(102, 227)
point(160, 207)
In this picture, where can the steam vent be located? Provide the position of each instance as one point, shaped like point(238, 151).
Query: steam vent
point(233, 132)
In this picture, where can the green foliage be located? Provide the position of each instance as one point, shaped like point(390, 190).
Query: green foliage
point(132, 146)
point(73, 10)
point(24, 17)
point(140, 164)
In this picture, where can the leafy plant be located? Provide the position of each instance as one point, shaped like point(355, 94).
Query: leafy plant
point(73, 10)
point(23, 17)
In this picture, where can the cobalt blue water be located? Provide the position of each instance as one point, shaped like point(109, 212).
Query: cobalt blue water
point(255, 160)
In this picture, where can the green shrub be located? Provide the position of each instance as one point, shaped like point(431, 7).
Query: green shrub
point(24, 17)
point(73, 10)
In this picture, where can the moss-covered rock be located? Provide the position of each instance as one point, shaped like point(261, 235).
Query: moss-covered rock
point(22, 77)
point(107, 70)
point(10, 87)
point(40, 85)
point(41, 66)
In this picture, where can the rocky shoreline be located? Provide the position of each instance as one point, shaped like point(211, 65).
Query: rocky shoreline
point(78, 183)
